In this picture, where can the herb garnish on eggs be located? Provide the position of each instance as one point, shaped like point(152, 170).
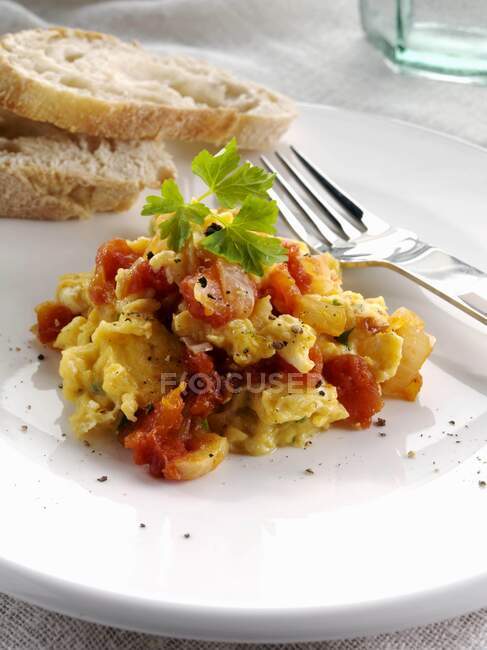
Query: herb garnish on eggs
point(247, 239)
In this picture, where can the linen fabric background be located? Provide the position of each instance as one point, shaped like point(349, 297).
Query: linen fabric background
point(313, 50)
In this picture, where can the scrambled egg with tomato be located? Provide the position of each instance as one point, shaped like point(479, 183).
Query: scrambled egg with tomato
point(185, 356)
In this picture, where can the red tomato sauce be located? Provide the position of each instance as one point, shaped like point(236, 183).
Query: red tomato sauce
point(295, 266)
point(282, 288)
point(204, 384)
point(51, 318)
point(287, 281)
point(111, 256)
point(159, 437)
point(356, 387)
point(142, 276)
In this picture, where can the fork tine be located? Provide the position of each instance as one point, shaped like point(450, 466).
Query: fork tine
point(321, 226)
point(343, 199)
point(314, 244)
point(344, 228)
point(364, 219)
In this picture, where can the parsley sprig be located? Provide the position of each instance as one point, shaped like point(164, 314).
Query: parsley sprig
point(247, 240)
point(178, 227)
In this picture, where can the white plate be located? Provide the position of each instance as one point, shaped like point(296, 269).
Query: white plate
point(371, 541)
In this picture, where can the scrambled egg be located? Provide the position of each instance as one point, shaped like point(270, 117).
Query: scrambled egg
point(114, 368)
point(72, 291)
point(382, 351)
point(113, 355)
point(257, 423)
point(248, 340)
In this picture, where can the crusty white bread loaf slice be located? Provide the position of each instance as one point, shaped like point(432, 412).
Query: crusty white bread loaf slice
point(86, 82)
point(46, 173)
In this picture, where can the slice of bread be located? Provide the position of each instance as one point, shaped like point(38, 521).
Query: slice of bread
point(86, 82)
point(46, 173)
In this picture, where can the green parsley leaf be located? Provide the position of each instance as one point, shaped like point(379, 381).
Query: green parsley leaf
point(170, 199)
point(239, 244)
point(230, 183)
point(177, 228)
point(176, 231)
point(195, 212)
point(213, 169)
point(246, 181)
point(257, 214)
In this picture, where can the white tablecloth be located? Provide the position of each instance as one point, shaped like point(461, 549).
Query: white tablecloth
point(313, 50)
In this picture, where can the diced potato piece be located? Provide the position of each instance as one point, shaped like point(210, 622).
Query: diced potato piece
point(417, 346)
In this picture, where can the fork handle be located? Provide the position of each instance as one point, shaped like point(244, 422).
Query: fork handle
point(444, 275)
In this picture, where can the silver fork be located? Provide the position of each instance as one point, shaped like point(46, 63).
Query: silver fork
point(335, 222)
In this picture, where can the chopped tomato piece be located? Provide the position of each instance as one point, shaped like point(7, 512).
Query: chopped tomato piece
point(317, 358)
point(203, 383)
point(296, 268)
point(356, 387)
point(198, 363)
point(51, 318)
point(111, 256)
point(218, 293)
point(282, 288)
point(173, 446)
point(159, 437)
point(142, 276)
point(287, 281)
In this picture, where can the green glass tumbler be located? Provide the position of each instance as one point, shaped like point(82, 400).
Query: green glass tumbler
point(440, 38)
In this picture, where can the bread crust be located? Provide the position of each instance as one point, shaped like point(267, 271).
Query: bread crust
point(126, 120)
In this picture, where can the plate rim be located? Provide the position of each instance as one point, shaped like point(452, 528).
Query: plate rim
point(216, 623)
